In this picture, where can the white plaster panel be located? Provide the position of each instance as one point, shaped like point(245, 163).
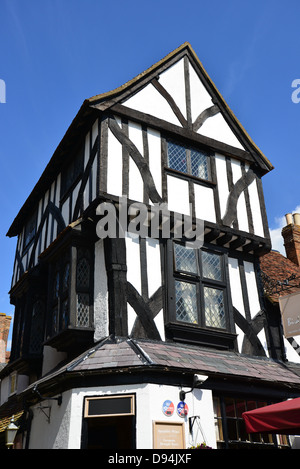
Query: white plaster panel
point(255, 209)
point(133, 261)
point(131, 317)
point(160, 324)
point(114, 165)
point(253, 296)
point(217, 128)
point(65, 210)
point(241, 203)
point(154, 145)
point(291, 353)
point(94, 180)
point(235, 285)
point(75, 196)
point(57, 195)
point(153, 265)
point(222, 182)
point(178, 195)
point(200, 98)
point(204, 203)
point(150, 101)
point(86, 149)
point(136, 185)
point(94, 131)
point(174, 82)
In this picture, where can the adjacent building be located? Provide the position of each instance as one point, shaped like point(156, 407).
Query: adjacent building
point(128, 331)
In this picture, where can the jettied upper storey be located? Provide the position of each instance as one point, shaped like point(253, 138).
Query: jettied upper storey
point(177, 98)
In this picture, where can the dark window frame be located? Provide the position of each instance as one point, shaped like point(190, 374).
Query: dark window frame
point(67, 320)
point(188, 173)
point(199, 332)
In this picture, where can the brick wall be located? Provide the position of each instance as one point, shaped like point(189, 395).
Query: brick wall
point(291, 237)
point(4, 331)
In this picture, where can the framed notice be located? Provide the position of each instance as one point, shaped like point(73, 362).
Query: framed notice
point(290, 312)
point(167, 435)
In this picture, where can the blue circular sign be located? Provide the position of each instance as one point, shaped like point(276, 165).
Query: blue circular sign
point(168, 408)
point(182, 409)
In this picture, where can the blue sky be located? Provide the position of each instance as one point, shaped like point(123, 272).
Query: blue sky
point(56, 53)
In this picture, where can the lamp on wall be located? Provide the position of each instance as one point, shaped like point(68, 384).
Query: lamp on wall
point(10, 433)
point(198, 380)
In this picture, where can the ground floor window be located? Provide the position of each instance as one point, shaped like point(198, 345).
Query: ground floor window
point(231, 430)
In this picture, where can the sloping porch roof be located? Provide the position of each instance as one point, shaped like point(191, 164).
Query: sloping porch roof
point(113, 355)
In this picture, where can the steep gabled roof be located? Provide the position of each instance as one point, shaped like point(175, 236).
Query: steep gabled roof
point(108, 100)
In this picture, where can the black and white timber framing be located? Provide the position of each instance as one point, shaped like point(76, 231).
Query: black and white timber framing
point(117, 146)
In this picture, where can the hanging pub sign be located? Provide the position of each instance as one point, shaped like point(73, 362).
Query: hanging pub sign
point(168, 408)
point(290, 313)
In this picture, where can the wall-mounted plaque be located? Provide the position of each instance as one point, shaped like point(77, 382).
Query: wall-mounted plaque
point(167, 435)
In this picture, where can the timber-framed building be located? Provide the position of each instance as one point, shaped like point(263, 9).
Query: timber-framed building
point(109, 332)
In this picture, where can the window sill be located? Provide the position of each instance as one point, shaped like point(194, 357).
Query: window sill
point(199, 336)
point(72, 337)
point(187, 176)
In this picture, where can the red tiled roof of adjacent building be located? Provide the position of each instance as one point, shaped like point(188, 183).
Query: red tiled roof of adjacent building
point(283, 275)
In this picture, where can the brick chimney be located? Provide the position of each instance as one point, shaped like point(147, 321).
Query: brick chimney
point(4, 331)
point(291, 237)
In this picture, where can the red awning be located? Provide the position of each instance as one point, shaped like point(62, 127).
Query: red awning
point(282, 418)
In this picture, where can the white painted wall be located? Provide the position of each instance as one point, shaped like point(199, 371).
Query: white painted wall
point(64, 430)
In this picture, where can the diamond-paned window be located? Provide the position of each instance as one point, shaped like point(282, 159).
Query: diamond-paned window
point(214, 308)
point(186, 302)
point(211, 266)
point(185, 259)
point(83, 310)
point(200, 287)
point(83, 273)
point(188, 160)
point(199, 164)
point(177, 157)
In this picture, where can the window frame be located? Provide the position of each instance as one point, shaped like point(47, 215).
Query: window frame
point(199, 333)
point(188, 173)
point(224, 421)
point(201, 282)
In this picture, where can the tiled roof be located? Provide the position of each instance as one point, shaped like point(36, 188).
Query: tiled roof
point(278, 268)
point(116, 355)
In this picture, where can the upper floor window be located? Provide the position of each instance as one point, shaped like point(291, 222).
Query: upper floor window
point(200, 296)
point(71, 291)
point(199, 308)
point(188, 160)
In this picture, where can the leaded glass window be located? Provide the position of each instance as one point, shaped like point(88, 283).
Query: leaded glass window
point(186, 302)
point(83, 288)
point(200, 287)
point(188, 160)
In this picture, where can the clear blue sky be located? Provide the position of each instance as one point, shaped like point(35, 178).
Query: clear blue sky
point(56, 53)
